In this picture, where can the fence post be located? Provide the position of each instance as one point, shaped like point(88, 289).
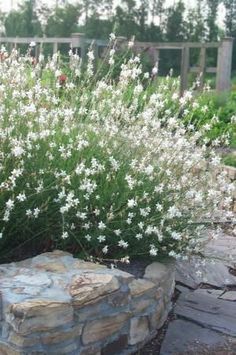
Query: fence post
point(224, 65)
point(78, 42)
point(55, 48)
point(184, 70)
point(202, 67)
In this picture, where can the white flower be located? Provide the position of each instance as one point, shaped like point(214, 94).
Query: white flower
point(154, 71)
point(132, 203)
point(10, 204)
point(1, 235)
point(101, 225)
point(125, 260)
point(130, 44)
point(176, 236)
point(36, 212)
point(88, 237)
point(112, 36)
point(123, 244)
point(64, 235)
point(21, 197)
point(153, 250)
point(117, 232)
point(29, 213)
point(105, 249)
point(139, 236)
point(149, 170)
point(17, 151)
point(90, 55)
point(159, 207)
point(101, 238)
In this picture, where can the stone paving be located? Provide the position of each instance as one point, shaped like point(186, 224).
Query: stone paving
point(204, 319)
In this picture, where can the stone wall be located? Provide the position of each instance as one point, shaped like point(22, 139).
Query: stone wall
point(55, 304)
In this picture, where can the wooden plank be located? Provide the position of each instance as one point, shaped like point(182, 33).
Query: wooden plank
point(211, 70)
point(55, 47)
point(224, 65)
point(207, 70)
point(34, 39)
point(176, 45)
point(184, 70)
point(202, 67)
point(161, 45)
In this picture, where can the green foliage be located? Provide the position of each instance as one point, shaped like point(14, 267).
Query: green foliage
point(63, 21)
point(220, 106)
point(230, 160)
point(24, 22)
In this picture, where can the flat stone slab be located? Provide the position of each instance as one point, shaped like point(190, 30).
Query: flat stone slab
point(208, 311)
point(222, 248)
point(186, 337)
point(229, 296)
point(198, 271)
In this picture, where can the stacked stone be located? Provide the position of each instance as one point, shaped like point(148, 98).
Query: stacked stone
point(56, 304)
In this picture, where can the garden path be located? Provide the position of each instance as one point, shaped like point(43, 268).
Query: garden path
point(204, 320)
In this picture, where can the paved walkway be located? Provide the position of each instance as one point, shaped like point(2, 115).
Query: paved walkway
point(204, 319)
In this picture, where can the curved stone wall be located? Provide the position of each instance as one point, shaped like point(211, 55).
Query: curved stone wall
point(55, 304)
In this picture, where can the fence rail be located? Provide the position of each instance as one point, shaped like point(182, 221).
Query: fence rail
point(78, 41)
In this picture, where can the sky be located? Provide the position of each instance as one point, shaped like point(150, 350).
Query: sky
point(5, 5)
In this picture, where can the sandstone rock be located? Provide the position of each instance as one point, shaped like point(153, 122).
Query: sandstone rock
point(54, 337)
point(39, 315)
point(159, 273)
point(88, 287)
point(86, 265)
point(139, 330)
point(101, 329)
point(62, 349)
point(51, 255)
point(118, 299)
point(141, 305)
point(140, 286)
point(6, 349)
point(156, 318)
point(29, 279)
point(22, 341)
point(156, 272)
point(52, 267)
point(159, 293)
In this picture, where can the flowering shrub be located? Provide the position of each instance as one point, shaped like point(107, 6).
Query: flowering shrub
point(102, 165)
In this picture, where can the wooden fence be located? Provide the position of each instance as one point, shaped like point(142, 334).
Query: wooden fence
point(77, 40)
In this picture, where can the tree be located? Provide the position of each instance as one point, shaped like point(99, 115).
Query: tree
point(126, 19)
point(230, 17)
point(92, 7)
point(142, 16)
point(212, 12)
point(157, 10)
point(196, 23)
point(175, 24)
point(230, 23)
point(63, 21)
point(23, 22)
